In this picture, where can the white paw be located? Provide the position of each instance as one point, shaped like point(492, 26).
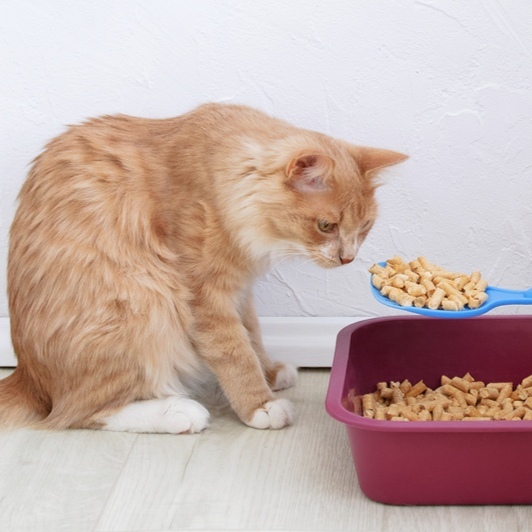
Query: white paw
point(286, 378)
point(183, 415)
point(173, 415)
point(274, 414)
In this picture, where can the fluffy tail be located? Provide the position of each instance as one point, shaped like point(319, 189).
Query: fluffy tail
point(19, 406)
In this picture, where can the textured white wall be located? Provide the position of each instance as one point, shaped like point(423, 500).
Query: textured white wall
point(448, 82)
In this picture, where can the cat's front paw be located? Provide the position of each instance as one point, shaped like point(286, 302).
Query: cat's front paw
point(286, 377)
point(274, 414)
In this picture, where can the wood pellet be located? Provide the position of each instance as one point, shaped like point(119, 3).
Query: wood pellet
point(420, 283)
point(456, 399)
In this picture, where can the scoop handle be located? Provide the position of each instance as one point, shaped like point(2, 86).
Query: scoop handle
point(503, 296)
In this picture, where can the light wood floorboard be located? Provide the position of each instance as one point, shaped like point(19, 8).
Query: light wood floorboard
point(230, 477)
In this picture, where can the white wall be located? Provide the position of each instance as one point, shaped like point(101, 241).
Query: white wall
point(448, 82)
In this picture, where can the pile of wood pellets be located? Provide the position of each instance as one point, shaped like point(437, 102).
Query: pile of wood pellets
point(420, 283)
point(456, 399)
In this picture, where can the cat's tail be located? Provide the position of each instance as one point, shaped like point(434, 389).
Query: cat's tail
point(19, 406)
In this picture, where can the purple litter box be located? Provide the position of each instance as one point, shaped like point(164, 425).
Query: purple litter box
point(435, 462)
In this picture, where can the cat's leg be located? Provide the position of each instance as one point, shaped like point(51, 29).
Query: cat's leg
point(134, 377)
point(89, 408)
point(278, 374)
point(223, 341)
point(172, 415)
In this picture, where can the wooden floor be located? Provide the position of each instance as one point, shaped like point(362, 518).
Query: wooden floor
point(228, 478)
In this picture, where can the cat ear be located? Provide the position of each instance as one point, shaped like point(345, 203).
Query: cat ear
point(370, 160)
point(309, 173)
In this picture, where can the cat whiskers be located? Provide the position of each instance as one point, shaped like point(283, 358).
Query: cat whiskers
point(282, 256)
point(284, 252)
point(290, 252)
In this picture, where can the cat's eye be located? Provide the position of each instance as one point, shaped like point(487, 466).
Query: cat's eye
point(326, 227)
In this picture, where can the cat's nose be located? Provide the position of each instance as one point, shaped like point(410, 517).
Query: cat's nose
point(346, 260)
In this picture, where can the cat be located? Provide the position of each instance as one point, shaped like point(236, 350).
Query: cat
point(133, 253)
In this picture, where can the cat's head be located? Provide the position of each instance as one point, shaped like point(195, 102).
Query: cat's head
point(320, 201)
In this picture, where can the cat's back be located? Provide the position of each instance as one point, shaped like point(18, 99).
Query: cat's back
point(224, 122)
point(121, 166)
point(107, 143)
point(86, 196)
point(92, 167)
point(107, 149)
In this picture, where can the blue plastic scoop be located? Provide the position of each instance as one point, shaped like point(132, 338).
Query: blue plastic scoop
point(497, 297)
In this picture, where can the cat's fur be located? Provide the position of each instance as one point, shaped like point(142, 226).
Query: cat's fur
point(132, 257)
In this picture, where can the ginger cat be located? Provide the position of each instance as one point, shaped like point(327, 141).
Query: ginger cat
point(132, 259)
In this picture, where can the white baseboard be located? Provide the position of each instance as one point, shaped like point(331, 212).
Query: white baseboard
point(7, 355)
point(304, 342)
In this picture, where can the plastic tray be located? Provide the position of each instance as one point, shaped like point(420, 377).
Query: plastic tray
point(435, 462)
